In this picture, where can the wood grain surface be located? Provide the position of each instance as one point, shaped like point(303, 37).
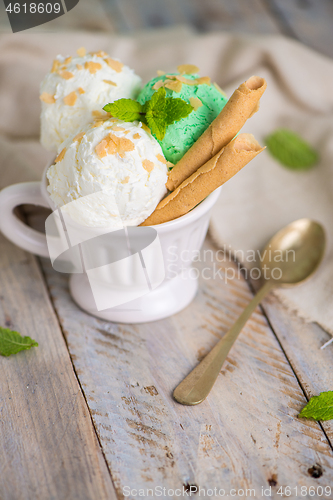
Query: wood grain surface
point(48, 446)
point(245, 435)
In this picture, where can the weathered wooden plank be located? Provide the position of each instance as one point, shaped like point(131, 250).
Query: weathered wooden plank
point(245, 435)
point(48, 446)
point(309, 21)
point(301, 342)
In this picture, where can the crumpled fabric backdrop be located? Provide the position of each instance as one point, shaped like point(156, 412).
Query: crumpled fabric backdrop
point(260, 199)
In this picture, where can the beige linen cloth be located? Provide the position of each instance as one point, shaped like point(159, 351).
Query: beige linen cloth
point(259, 200)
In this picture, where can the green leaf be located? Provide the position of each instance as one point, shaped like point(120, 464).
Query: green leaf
point(157, 127)
point(127, 110)
point(156, 115)
point(176, 109)
point(12, 342)
point(291, 150)
point(319, 407)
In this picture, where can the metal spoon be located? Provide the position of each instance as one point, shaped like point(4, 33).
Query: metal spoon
point(301, 247)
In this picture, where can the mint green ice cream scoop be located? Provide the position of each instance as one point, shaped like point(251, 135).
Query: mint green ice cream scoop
point(182, 134)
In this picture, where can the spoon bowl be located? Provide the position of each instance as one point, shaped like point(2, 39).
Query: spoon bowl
point(294, 253)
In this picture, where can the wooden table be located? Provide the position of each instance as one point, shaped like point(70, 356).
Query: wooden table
point(89, 413)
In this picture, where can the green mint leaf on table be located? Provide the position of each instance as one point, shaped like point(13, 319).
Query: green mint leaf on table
point(12, 342)
point(291, 150)
point(176, 109)
point(126, 110)
point(319, 407)
point(159, 112)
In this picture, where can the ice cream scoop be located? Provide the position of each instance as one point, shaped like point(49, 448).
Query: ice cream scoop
point(74, 92)
point(206, 99)
point(120, 163)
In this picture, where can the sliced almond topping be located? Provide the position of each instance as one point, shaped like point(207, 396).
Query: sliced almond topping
point(160, 72)
point(158, 85)
point(110, 82)
point(81, 90)
point(81, 52)
point(187, 81)
point(66, 75)
point(148, 165)
point(161, 158)
point(79, 66)
point(203, 80)
point(97, 123)
point(101, 149)
point(68, 60)
point(55, 66)
point(176, 86)
point(48, 98)
point(188, 69)
point(146, 128)
point(99, 53)
point(195, 103)
point(116, 65)
point(125, 181)
point(60, 156)
point(219, 89)
point(116, 128)
point(170, 165)
point(93, 67)
point(136, 136)
point(78, 138)
point(70, 99)
point(99, 114)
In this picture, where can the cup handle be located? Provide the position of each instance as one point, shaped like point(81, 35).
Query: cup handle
point(13, 228)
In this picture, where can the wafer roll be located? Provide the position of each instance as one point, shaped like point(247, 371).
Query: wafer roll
point(243, 103)
point(219, 169)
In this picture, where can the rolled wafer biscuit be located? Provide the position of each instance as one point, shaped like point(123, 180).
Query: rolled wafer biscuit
point(219, 169)
point(243, 103)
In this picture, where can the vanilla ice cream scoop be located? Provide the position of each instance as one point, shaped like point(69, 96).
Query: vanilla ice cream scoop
point(112, 174)
point(75, 91)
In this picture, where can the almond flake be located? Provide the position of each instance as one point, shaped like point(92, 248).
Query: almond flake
point(188, 69)
point(160, 72)
point(116, 128)
point(97, 123)
point(66, 75)
point(99, 114)
point(161, 158)
point(145, 128)
point(101, 149)
point(203, 80)
point(60, 156)
point(170, 165)
point(115, 65)
point(125, 181)
point(79, 66)
point(81, 52)
point(48, 98)
point(78, 138)
point(195, 103)
point(158, 85)
point(70, 99)
point(93, 67)
point(148, 165)
point(119, 145)
point(68, 60)
point(136, 136)
point(219, 89)
point(110, 82)
point(176, 86)
point(99, 53)
point(55, 66)
point(81, 90)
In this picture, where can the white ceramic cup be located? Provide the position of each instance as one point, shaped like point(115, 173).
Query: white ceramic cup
point(121, 282)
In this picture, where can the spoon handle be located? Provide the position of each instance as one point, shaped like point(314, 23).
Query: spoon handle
point(198, 383)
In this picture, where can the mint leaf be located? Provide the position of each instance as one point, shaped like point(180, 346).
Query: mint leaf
point(12, 342)
point(291, 150)
point(156, 115)
point(176, 109)
point(127, 110)
point(319, 407)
